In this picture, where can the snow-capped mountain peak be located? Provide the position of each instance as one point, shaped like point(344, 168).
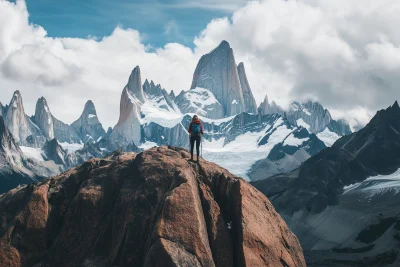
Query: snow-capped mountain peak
point(135, 84)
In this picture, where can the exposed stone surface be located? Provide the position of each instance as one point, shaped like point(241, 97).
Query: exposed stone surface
point(3, 109)
point(159, 96)
point(317, 117)
point(249, 101)
point(44, 119)
point(149, 209)
point(18, 123)
point(53, 151)
point(266, 108)
point(217, 72)
point(12, 162)
point(65, 133)
point(88, 125)
point(135, 84)
point(128, 127)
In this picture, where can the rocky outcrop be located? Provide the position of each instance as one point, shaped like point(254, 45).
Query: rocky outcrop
point(148, 209)
point(88, 125)
point(135, 84)
point(128, 128)
point(44, 119)
point(50, 127)
point(316, 117)
point(12, 162)
point(53, 151)
point(65, 133)
point(217, 72)
point(159, 96)
point(18, 123)
point(172, 95)
point(249, 101)
point(265, 108)
point(175, 136)
point(3, 110)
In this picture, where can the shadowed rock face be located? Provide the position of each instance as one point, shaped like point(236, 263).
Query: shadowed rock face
point(44, 119)
point(343, 203)
point(12, 162)
point(88, 125)
point(249, 101)
point(3, 109)
point(149, 209)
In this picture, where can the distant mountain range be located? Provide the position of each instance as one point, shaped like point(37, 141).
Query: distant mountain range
point(236, 130)
point(343, 203)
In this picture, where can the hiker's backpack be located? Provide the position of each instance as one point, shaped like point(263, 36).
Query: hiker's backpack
point(196, 128)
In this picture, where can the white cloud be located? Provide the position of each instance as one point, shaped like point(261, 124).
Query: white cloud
point(346, 54)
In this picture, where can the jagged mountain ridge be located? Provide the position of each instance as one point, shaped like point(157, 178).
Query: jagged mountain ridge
point(18, 123)
point(154, 209)
point(351, 189)
point(15, 168)
point(150, 116)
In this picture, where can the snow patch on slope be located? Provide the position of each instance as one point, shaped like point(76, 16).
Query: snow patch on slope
point(293, 141)
point(31, 152)
point(71, 147)
point(374, 185)
point(161, 116)
point(302, 123)
point(328, 137)
point(239, 155)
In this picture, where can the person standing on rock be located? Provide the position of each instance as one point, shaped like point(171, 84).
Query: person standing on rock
point(195, 131)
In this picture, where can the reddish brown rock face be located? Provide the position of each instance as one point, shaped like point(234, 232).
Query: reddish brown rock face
point(150, 209)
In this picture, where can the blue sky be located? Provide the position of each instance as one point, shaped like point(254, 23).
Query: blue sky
point(292, 50)
point(159, 22)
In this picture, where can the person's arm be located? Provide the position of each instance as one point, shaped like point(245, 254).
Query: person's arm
point(201, 128)
point(190, 128)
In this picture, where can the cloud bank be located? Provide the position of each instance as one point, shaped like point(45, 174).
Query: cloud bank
point(344, 54)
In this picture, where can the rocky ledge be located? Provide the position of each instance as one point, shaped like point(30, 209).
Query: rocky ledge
point(154, 208)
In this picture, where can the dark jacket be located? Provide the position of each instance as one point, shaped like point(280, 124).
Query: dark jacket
point(196, 122)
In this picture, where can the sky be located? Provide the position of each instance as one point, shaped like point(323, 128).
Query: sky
point(344, 54)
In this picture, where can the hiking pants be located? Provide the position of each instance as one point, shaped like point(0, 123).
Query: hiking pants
point(197, 139)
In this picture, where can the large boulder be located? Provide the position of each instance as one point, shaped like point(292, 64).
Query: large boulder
point(150, 209)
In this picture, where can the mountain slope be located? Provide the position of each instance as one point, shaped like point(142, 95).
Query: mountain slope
point(88, 125)
point(217, 72)
point(249, 101)
point(18, 123)
point(12, 162)
point(149, 209)
point(44, 119)
point(347, 196)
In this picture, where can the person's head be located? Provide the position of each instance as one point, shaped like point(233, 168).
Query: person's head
point(195, 118)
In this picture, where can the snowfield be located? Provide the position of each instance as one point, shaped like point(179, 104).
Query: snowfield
point(239, 155)
point(376, 185)
point(71, 147)
point(328, 137)
point(31, 152)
